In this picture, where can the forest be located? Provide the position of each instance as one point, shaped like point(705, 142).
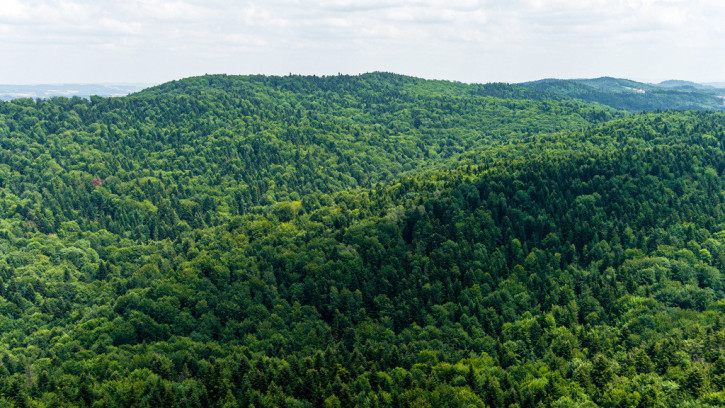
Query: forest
point(631, 95)
point(359, 241)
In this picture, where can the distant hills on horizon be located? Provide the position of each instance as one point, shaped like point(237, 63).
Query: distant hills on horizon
point(631, 95)
point(618, 93)
point(45, 91)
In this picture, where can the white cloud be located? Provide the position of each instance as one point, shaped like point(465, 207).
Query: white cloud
point(474, 40)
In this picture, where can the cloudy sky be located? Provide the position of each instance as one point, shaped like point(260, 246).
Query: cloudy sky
point(152, 41)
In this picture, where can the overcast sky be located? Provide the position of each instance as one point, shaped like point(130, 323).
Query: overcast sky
point(152, 41)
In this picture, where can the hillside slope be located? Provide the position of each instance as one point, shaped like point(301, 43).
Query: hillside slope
point(630, 95)
point(579, 265)
point(191, 153)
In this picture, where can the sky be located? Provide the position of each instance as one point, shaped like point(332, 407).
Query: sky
point(154, 41)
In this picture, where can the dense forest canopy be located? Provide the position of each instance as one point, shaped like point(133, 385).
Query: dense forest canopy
point(370, 241)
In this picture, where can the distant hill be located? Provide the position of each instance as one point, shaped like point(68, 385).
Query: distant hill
point(609, 84)
point(44, 91)
point(678, 84)
point(633, 96)
point(618, 93)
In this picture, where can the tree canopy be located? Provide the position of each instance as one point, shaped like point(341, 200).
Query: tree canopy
point(366, 241)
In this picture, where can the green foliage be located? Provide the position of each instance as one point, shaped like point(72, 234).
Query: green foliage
point(627, 95)
point(358, 241)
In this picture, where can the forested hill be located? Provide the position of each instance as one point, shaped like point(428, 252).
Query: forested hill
point(211, 243)
point(630, 95)
point(366, 88)
point(205, 148)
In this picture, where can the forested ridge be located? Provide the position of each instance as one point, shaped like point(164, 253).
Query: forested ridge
point(367, 241)
point(228, 144)
point(630, 95)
